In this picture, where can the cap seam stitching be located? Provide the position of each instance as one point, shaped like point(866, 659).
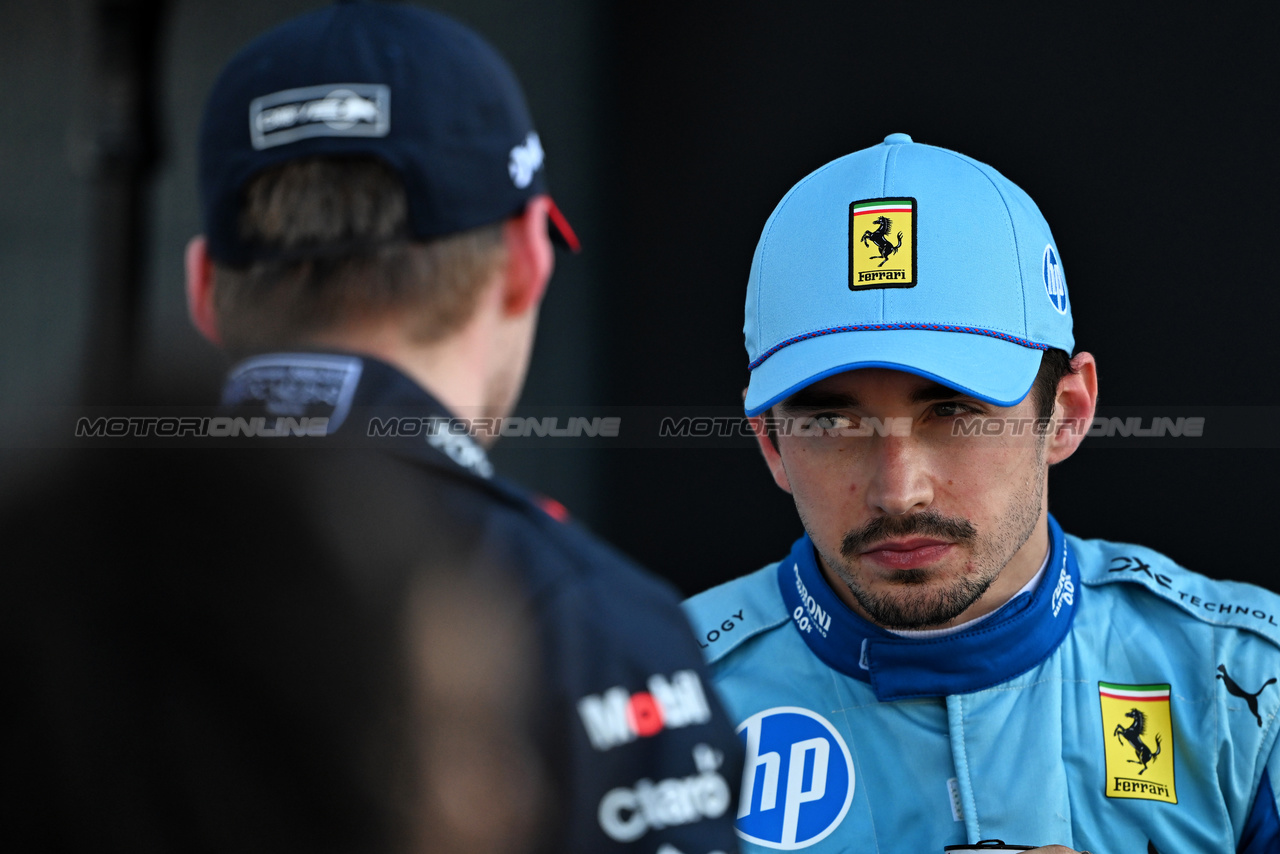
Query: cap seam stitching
point(891, 151)
point(1013, 234)
point(768, 231)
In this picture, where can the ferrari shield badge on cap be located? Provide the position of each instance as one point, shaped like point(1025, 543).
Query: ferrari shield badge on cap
point(882, 244)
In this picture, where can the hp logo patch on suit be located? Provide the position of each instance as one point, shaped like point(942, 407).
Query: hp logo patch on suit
point(798, 780)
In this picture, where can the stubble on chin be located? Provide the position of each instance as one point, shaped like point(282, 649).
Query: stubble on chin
point(918, 598)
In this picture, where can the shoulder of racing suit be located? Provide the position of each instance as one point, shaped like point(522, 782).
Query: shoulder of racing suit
point(727, 616)
point(1138, 573)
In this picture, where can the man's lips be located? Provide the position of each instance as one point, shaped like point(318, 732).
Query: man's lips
point(911, 553)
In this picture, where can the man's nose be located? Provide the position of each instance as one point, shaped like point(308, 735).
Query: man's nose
point(899, 481)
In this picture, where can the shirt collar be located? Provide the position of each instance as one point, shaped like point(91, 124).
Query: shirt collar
point(1014, 639)
point(365, 402)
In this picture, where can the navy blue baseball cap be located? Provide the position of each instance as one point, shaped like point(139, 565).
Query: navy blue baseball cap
point(411, 87)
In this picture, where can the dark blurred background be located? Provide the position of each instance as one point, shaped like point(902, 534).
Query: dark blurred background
point(1145, 131)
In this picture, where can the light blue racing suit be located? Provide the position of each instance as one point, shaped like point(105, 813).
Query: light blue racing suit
point(1126, 705)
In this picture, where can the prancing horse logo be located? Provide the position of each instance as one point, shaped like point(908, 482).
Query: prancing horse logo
point(880, 240)
point(1133, 735)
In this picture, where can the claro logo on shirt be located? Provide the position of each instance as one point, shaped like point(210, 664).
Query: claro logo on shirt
point(618, 716)
point(798, 780)
point(626, 814)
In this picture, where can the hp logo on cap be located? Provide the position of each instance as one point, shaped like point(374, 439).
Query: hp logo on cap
point(798, 781)
point(1054, 284)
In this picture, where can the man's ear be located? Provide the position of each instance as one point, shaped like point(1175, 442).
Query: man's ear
point(530, 257)
point(200, 282)
point(772, 457)
point(1074, 407)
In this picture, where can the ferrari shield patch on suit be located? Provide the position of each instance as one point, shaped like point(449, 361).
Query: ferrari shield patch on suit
point(1137, 724)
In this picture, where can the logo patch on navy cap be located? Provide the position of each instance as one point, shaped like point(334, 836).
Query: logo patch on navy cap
point(526, 159)
point(1055, 285)
point(882, 244)
point(338, 109)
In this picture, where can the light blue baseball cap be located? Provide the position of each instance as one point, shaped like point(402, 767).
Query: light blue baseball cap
point(910, 257)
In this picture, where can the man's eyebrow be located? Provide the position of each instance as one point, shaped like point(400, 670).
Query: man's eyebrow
point(935, 391)
point(808, 398)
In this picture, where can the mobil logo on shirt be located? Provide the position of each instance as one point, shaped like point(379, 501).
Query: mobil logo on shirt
point(619, 716)
point(798, 781)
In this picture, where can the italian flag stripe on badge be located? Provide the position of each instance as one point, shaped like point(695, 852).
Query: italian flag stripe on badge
point(903, 206)
point(1138, 742)
point(1134, 692)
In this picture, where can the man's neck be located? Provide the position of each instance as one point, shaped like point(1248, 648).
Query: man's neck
point(454, 370)
point(1020, 569)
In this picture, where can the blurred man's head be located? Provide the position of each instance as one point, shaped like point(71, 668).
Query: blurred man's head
point(371, 180)
point(346, 260)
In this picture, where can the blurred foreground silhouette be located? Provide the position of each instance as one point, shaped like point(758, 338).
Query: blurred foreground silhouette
point(248, 650)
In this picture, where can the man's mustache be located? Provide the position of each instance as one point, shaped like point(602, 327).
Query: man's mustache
point(930, 523)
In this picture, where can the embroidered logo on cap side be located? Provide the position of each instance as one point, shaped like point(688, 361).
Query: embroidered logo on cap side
point(526, 160)
point(882, 244)
point(337, 109)
point(1054, 283)
point(1137, 728)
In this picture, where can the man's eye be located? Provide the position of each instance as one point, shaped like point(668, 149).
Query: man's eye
point(832, 421)
point(951, 409)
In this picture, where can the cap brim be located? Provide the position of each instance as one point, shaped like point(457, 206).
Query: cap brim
point(561, 231)
point(993, 370)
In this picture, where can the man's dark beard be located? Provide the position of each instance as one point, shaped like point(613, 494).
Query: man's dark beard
point(925, 608)
point(920, 608)
point(930, 523)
